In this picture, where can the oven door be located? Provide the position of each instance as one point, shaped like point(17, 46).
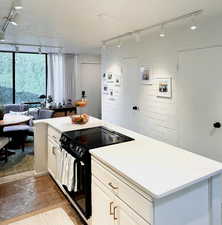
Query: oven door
point(82, 194)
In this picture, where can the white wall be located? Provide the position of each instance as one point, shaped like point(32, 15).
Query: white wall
point(158, 117)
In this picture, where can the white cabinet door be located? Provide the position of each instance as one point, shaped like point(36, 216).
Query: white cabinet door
point(102, 204)
point(123, 215)
point(52, 159)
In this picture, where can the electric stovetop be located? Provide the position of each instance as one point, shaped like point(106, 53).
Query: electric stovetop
point(95, 137)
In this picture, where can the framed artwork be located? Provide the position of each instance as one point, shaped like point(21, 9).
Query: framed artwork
point(145, 75)
point(109, 78)
point(117, 81)
point(104, 76)
point(164, 87)
point(105, 89)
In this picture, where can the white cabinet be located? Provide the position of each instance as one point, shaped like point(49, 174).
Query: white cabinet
point(118, 201)
point(124, 215)
point(54, 151)
point(110, 199)
point(52, 158)
point(102, 204)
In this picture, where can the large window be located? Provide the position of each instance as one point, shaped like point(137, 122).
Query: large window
point(6, 78)
point(22, 77)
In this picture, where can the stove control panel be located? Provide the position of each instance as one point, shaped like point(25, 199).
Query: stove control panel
point(74, 149)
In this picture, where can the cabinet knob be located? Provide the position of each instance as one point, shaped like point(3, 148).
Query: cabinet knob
point(217, 125)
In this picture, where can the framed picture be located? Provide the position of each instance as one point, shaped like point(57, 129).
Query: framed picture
point(145, 73)
point(117, 81)
point(164, 87)
point(105, 89)
point(104, 76)
point(110, 78)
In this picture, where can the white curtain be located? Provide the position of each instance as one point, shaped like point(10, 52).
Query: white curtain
point(61, 77)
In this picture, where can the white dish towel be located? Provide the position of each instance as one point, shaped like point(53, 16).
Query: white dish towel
point(67, 175)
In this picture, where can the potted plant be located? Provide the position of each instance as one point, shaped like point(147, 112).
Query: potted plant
point(1, 112)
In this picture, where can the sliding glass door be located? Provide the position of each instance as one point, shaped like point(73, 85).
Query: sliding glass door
point(23, 77)
point(6, 78)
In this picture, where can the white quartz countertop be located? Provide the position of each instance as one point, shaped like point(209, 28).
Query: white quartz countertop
point(157, 168)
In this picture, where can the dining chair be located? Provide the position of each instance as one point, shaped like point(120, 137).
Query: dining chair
point(3, 148)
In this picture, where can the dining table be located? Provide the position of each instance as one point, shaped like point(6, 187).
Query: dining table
point(13, 120)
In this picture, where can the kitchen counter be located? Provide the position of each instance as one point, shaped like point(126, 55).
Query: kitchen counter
point(157, 168)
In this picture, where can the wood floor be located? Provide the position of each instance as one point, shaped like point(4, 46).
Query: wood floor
point(30, 196)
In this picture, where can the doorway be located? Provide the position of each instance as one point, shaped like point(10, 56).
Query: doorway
point(90, 82)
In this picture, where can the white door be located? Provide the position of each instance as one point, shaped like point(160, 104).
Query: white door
point(131, 82)
point(90, 81)
point(199, 101)
point(102, 204)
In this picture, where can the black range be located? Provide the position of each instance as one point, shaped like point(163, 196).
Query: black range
point(78, 143)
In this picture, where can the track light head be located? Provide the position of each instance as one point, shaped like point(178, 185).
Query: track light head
point(119, 44)
point(17, 4)
point(40, 50)
point(193, 25)
point(13, 22)
point(162, 31)
point(2, 36)
point(137, 36)
point(16, 48)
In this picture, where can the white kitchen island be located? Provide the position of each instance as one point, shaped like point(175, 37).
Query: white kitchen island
point(140, 182)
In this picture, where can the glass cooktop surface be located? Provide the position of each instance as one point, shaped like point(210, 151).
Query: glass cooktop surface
point(96, 137)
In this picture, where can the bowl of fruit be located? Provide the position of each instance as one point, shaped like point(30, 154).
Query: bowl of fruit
point(80, 119)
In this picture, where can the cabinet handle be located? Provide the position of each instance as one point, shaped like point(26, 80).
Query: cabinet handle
point(113, 187)
point(54, 137)
point(114, 213)
point(110, 208)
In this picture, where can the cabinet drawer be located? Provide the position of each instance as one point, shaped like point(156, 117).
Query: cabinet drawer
point(54, 134)
point(131, 196)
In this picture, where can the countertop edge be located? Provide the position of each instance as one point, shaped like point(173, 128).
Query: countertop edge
point(148, 192)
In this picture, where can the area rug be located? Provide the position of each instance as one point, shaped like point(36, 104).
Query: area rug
point(52, 217)
point(19, 162)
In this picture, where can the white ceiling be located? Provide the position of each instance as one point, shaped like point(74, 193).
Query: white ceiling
point(80, 26)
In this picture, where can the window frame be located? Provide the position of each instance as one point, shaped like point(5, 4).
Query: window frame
point(14, 73)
